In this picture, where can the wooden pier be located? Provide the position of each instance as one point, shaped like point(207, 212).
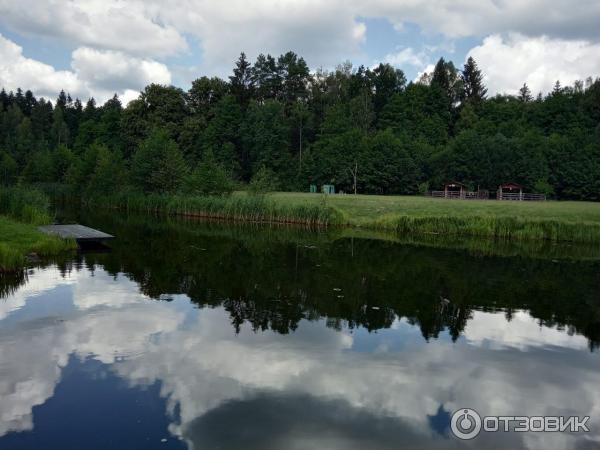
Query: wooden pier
point(80, 233)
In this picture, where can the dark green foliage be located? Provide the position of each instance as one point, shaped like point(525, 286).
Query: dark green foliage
point(263, 181)
point(25, 204)
point(419, 112)
point(8, 170)
point(364, 130)
point(109, 173)
point(242, 82)
point(266, 137)
point(157, 165)
point(474, 90)
point(209, 178)
point(387, 167)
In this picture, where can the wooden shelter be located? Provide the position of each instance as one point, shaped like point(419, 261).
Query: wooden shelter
point(454, 189)
point(510, 191)
point(514, 191)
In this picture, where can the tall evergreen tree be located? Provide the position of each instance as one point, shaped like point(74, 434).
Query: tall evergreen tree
point(474, 90)
point(242, 83)
point(525, 94)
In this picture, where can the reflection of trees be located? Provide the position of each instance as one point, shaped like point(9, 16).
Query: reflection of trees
point(273, 278)
point(10, 282)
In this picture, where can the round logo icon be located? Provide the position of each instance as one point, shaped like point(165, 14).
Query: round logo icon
point(465, 424)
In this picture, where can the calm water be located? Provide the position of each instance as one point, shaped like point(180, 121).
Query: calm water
point(196, 336)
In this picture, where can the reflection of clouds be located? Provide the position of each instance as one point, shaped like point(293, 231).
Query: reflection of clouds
point(218, 368)
point(40, 282)
point(323, 390)
point(32, 354)
point(102, 290)
point(522, 332)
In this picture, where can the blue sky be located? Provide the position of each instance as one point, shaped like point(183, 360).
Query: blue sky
point(101, 47)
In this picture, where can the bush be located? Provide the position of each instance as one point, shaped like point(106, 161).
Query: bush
point(209, 178)
point(263, 181)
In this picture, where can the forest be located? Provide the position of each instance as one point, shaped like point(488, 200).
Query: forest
point(277, 125)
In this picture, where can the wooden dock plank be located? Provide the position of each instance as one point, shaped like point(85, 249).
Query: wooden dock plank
point(78, 232)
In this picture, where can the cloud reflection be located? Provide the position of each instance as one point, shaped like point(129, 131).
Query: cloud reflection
point(307, 389)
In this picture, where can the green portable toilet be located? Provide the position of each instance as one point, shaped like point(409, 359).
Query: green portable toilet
point(328, 189)
point(313, 188)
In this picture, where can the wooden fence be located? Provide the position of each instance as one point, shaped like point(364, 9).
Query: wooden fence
point(521, 197)
point(485, 195)
point(464, 195)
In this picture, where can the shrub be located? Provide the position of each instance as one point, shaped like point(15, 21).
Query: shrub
point(263, 181)
point(209, 178)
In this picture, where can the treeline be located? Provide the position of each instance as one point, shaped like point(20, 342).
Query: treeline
point(276, 125)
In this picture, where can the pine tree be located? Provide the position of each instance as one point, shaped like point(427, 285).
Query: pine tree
point(474, 90)
point(440, 76)
point(525, 94)
point(242, 84)
point(557, 90)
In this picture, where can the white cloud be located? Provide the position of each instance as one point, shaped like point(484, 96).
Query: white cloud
point(558, 18)
point(19, 71)
point(115, 71)
point(407, 56)
point(97, 73)
point(427, 69)
point(508, 62)
point(113, 24)
point(129, 36)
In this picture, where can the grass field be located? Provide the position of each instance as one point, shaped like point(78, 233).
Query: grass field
point(370, 209)
point(550, 220)
point(18, 239)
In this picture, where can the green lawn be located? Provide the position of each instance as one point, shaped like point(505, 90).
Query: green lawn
point(19, 239)
point(368, 209)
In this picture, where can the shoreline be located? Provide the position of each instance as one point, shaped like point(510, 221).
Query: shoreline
point(404, 216)
point(22, 241)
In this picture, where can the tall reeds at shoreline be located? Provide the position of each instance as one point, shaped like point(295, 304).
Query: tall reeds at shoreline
point(507, 228)
point(246, 208)
point(25, 205)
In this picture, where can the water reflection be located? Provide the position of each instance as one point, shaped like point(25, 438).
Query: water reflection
point(292, 344)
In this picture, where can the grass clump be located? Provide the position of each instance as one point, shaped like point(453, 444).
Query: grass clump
point(17, 240)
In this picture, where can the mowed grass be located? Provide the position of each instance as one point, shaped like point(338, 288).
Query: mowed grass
point(18, 239)
point(550, 220)
point(365, 209)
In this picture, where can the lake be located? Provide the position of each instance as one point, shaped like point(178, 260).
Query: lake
point(192, 335)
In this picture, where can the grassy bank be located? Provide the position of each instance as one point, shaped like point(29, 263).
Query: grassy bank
point(551, 220)
point(17, 240)
point(20, 211)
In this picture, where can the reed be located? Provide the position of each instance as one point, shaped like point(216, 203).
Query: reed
point(513, 228)
point(25, 204)
point(237, 207)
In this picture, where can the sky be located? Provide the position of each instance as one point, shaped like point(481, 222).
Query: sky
point(96, 48)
